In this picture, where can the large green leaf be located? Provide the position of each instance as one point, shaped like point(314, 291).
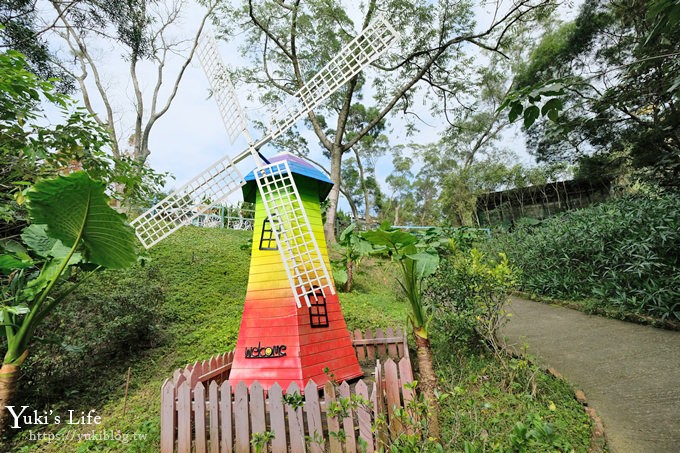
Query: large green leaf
point(50, 271)
point(426, 263)
point(75, 208)
point(385, 235)
point(37, 239)
point(10, 263)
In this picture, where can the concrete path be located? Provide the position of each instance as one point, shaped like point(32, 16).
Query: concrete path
point(629, 373)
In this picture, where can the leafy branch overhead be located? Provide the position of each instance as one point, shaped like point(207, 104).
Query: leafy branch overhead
point(608, 82)
point(530, 103)
point(285, 43)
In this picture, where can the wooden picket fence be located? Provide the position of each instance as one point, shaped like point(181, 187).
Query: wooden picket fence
point(201, 411)
point(379, 344)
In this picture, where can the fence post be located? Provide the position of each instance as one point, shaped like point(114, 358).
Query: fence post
point(295, 422)
point(347, 422)
point(241, 418)
point(184, 418)
point(364, 417)
point(332, 421)
point(277, 419)
point(382, 350)
point(199, 417)
point(214, 418)
point(313, 409)
point(257, 409)
point(227, 443)
point(393, 396)
point(168, 417)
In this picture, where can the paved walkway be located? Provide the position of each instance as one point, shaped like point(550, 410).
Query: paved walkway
point(629, 373)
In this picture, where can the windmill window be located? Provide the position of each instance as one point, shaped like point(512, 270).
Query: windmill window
point(318, 314)
point(267, 239)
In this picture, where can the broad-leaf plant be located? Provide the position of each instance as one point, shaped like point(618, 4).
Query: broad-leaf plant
point(417, 258)
point(73, 231)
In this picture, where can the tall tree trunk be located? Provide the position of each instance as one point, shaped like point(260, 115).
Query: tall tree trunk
point(331, 211)
point(364, 187)
point(428, 380)
point(8, 386)
point(350, 274)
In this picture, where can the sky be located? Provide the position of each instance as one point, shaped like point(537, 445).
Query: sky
point(191, 136)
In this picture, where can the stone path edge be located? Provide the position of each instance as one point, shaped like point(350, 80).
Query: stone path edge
point(598, 438)
point(629, 317)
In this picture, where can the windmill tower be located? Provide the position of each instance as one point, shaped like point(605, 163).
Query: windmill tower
point(279, 340)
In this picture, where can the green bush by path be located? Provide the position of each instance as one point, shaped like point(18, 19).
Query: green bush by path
point(622, 255)
point(468, 293)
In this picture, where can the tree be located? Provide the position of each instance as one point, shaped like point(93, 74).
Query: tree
point(400, 203)
point(32, 148)
point(612, 72)
point(353, 248)
point(142, 30)
point(72, 225)
point(288, 42)
point(417, 258)
point(366, 151)
point(20, 30)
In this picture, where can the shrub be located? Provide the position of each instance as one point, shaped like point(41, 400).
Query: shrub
point(468, 293)
point(110, 317)
point(621, 254)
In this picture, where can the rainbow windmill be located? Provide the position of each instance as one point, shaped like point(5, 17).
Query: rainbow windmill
point(292, 327)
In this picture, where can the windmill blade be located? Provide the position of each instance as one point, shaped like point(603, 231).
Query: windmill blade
point(300, 253)
point(373, 41)
point(233, 116)
point(186, 203)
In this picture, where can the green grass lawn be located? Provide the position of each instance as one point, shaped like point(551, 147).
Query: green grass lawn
point(203, 275)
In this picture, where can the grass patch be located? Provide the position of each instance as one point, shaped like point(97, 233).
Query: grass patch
point(491, 409)
point(203, 276)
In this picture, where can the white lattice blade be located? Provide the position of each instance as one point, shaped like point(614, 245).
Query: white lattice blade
point(373, 41)
point(189, 201)
point(305, 267)
point(233, 116)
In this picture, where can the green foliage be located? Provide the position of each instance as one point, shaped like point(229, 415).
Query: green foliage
point(81, 351)
point(74, 224)
point(536, 434)
point(469, 292)
point(611, 81)
point(620, 254)
point(74, 209)
point(530, 102)
point(295, 400)
point(259, 441)
point(417, 259)
point(408, 429)
point(487, 403)
point(353, 248)
point(32, 148)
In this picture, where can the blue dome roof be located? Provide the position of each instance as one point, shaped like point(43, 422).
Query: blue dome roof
point(298, 166)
